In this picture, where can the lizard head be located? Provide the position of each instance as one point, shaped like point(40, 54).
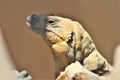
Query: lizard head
point(52, 27)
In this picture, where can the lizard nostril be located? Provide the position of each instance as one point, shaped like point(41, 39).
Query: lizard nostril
point(34, 16)
point(32, 19)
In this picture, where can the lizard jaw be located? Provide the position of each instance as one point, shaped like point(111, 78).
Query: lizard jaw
point(64, 37)
point(51, 37)
point(56, 38)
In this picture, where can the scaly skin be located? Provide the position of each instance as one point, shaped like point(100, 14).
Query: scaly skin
point(69, 42)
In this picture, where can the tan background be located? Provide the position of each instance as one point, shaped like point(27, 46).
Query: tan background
point(101, 18)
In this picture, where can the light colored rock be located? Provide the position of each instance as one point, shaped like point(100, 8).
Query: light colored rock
point(76, 71)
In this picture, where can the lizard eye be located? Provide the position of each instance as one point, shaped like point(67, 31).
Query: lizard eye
point(51, 21)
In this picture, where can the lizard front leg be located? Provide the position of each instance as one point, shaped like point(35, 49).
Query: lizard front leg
point(96, 63)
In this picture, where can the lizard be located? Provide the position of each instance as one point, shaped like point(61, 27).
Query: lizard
point(69, 42)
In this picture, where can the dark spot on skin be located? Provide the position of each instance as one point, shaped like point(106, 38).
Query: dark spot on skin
point(100, 70)
point(70, 40)
point(73, 78)
point(81, 37)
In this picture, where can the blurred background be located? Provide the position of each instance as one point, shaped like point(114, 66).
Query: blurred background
point(101, 18)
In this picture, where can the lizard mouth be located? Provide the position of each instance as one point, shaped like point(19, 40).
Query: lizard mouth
point(28, 24)
point(28, 20)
